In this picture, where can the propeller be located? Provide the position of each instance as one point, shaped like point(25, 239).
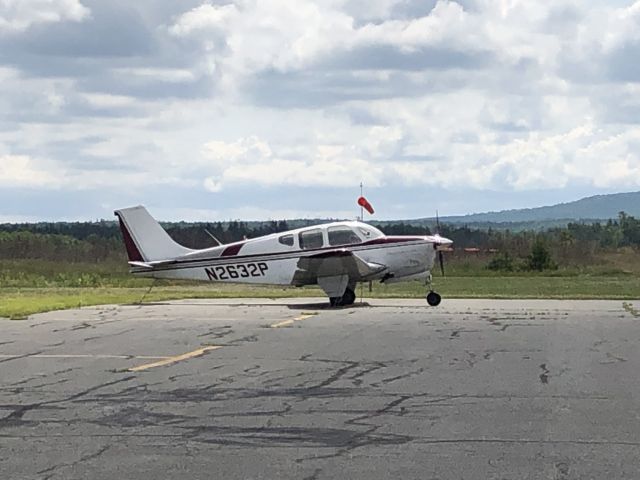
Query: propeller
point(440, 254)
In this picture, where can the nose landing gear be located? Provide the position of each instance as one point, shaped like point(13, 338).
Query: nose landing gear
point(433, 298)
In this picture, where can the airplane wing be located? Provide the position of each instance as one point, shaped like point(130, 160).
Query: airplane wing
point(335, 263)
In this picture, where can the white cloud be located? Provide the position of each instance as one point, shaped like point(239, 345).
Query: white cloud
point(107, 100)
point(244, 150)
point(185, 214)
point(253, 35)
point(171, 75)
point(19, 15)
point(211, 185)
point(512, 95)
point(21, 171)
point(447, 22)
point(619, 27)
point(533, 161)
point(204, 17)
point(257, 213)
point(251, 161)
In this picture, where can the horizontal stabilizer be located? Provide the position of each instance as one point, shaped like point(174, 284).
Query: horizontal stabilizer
point(140, 265)
point(151, 265)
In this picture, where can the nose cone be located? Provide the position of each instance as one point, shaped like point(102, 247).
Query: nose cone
point(439, 241)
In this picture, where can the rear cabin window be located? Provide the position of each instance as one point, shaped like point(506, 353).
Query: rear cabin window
point(342, 236)
point(311, 239)
point(286, 240)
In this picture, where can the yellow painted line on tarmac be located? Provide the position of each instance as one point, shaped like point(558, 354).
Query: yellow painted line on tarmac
point(286, 323)
point(283, 323)
point(169, 360)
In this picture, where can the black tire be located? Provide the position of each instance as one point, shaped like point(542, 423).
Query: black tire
point(434, 299)
point(348, 298)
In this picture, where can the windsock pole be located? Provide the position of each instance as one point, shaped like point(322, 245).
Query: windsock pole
point(361, 207)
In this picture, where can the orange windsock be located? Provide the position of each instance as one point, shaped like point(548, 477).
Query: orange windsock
point(365, 204)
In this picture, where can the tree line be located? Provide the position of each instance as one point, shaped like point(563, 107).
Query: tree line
point(101, 241)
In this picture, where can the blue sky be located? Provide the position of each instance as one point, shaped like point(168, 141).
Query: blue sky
point(269, 109)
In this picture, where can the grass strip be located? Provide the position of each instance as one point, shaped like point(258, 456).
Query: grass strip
point(19, 303)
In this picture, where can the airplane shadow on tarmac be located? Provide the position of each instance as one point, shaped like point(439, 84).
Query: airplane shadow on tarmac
point(324, 306)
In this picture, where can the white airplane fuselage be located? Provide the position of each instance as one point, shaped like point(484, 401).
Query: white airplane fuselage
point(264, 260)
point(334, 256)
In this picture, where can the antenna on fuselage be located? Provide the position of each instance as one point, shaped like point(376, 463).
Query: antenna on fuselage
point(213, 237)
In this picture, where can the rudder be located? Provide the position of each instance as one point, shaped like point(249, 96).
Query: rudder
point(144, 238)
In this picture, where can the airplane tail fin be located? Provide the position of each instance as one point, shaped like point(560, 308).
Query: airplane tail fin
point(144, 238)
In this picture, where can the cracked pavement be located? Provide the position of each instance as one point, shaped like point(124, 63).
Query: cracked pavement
point(472, 389)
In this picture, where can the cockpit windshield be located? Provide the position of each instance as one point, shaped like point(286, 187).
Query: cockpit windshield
point(369, 232)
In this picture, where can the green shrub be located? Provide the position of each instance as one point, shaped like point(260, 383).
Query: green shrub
point(540, 259)
point(503, 262)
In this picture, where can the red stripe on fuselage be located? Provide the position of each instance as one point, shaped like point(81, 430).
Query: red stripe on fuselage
point(231, 250)
point(385, 242)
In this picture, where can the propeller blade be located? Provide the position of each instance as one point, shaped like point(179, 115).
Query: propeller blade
point(437, 223)
point(441, 258)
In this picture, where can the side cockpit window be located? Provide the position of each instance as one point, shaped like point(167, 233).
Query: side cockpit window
point(286, 240)
point(342, 235)
point(311, 239)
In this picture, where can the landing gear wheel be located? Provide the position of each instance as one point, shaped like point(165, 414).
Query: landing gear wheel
point(433, 298)
point(347, 298)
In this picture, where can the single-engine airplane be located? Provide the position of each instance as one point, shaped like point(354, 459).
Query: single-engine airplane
point(335, 256)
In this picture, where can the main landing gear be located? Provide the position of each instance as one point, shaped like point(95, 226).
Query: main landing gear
point(347, 298)
point(433, 298)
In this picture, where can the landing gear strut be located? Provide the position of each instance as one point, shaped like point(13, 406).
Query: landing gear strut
point(347, 298)
point(433, 298)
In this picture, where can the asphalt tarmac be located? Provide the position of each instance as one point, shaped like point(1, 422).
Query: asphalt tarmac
point(289, 389)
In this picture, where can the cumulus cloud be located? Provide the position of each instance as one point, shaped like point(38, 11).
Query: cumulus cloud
point(204, 17)
point(252, 36)
point(19, 15)
point(251, 161)
point(272, 96)
point(22, 171)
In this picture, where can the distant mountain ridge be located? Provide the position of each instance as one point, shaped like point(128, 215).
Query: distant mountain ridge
point(597, 207)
